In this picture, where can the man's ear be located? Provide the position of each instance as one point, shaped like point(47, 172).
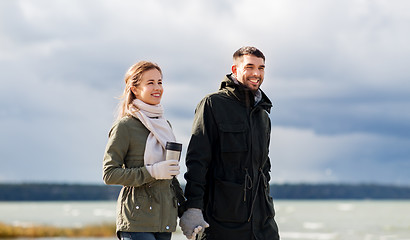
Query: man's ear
point(234, 69)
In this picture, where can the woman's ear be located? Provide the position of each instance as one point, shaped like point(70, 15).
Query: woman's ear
point(134, 90)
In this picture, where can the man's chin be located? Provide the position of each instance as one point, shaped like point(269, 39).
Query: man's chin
point(249, 86)
point(252, 88)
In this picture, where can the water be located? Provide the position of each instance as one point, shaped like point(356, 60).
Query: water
point(61, 214)
point(328, 220)
point(297, 220)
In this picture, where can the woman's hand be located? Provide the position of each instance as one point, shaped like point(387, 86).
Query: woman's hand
point(164, 169)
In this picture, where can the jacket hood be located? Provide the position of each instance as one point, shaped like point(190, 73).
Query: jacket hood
point(243, 94)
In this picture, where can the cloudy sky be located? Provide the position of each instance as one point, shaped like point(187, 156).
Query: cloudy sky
point(337, 72)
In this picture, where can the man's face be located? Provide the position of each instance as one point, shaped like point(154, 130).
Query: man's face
point(249, 70)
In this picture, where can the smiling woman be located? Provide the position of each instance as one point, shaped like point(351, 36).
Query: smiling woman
point(151, 196)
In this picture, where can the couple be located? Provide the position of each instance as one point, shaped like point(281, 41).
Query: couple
point(227, 191)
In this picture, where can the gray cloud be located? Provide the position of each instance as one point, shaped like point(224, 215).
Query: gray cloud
point(335, 71)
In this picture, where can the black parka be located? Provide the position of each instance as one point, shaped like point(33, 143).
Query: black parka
point(228, 164)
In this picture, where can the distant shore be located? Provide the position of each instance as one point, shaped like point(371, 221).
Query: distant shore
point(95, 192)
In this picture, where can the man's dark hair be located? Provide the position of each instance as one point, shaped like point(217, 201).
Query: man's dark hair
point(248, 51)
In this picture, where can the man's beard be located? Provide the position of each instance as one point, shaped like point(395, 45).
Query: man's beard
point(246, 81)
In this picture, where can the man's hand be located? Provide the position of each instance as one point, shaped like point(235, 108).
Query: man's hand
point(192, 222)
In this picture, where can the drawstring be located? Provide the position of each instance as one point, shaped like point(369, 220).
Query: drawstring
point(261, 175)
point(248, 184)
point(265, 182)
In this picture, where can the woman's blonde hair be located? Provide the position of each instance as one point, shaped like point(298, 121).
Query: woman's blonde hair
point(133, 78)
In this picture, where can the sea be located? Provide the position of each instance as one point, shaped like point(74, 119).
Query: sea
point(296, 219)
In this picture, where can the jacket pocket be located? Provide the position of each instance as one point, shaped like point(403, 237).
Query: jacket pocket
point(228, 204)
point(141, 209)
point(233, 137)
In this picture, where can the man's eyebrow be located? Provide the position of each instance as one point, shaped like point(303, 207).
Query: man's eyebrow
point(252, 65)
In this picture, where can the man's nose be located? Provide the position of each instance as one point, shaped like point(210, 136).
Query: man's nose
point(256, 72)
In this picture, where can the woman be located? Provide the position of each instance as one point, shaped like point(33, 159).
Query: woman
point(148, 203)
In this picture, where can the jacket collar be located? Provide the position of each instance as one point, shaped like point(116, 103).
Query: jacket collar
point(243, 94)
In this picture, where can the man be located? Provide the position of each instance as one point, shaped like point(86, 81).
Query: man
point(228, 166)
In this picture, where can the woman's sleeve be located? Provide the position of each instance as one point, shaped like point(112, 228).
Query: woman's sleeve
point(114, 172)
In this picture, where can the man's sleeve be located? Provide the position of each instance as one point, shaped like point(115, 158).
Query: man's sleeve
point(199, 154)
point(267, 166)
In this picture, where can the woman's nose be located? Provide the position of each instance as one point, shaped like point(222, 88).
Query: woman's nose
point(157, 86)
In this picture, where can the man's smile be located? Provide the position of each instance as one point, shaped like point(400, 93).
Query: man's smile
point(254, 80)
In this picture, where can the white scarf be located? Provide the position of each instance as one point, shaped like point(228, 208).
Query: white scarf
point(160, 131)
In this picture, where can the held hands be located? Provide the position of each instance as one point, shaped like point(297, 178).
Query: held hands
point(192, 222)
point(197, 231)
point(164, 169)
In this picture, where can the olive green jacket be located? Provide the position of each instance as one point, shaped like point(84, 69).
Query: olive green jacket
point(144, 203)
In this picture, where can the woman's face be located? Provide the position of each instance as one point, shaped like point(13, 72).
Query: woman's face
point(150, 88)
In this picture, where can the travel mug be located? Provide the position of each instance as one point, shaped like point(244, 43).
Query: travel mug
point(173, 151)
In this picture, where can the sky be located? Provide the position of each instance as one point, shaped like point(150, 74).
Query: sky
point(336, 71)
